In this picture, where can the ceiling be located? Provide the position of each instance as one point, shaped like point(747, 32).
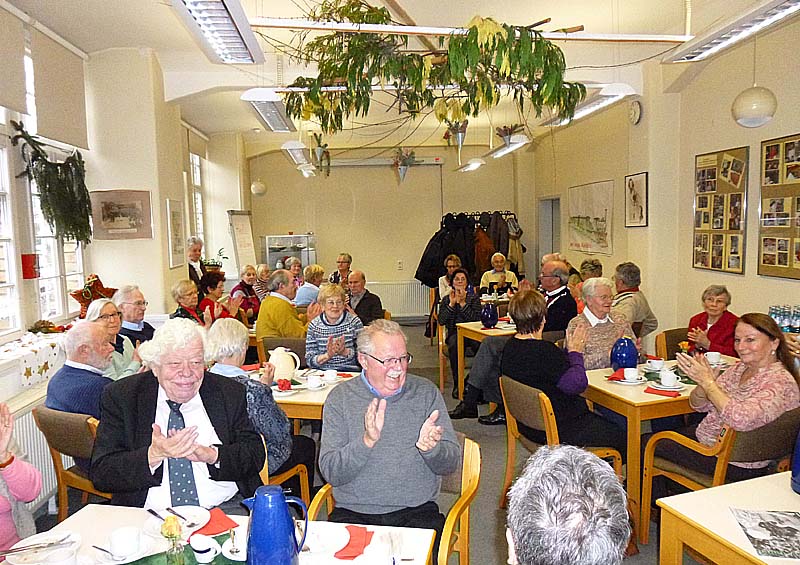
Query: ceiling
point(208, 94)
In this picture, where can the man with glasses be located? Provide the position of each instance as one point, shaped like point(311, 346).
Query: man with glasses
point(131, 303)
point(387, 438)
point(561, 306)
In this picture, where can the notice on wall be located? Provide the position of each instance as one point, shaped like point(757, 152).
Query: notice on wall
point(590, 211)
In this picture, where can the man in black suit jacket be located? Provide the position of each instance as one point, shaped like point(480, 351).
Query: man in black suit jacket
point(561, 307)
point(133, 442)
point(366, 306)
point(194, 249)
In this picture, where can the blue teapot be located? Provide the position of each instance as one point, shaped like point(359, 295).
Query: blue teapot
point(489, 315)
point(271, 533)
point(796, 467)
point(624, 353)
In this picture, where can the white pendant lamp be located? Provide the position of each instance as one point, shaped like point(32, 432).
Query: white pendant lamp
point(258, 187)
point(754, 106)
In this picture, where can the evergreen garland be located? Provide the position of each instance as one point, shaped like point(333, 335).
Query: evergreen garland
point(64, 197)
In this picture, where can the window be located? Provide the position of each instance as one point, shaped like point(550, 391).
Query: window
point(195, 163)
point(9, 297)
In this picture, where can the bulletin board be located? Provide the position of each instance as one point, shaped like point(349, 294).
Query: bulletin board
point(720, 201)
point(779, 208)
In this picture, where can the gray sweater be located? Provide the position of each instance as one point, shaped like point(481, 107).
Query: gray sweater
point(394, 474)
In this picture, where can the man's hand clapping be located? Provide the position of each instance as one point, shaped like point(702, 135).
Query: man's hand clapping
point(430, 434)
point(373, 421)
point(176, 444)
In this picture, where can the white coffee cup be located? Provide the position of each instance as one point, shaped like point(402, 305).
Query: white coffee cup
point(631, 374)
point(314, 380)
point(62, 556)
point(205, 548)
point(714, 357)
point(330, 376)
point(668, 378)
point(125, 542)
point(655, 364)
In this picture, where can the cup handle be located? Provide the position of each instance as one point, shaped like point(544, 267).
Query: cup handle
point(302, 505)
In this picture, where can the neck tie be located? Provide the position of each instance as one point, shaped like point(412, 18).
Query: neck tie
point(182, 487)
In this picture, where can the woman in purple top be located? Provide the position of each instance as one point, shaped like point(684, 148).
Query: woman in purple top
point(250, 302)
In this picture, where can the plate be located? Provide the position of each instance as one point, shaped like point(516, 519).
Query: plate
point(241, 545)
point(638, 381)
point(659, 386)
point(40, 555)
point(283, 393)
point(152, 527)
point(320, 387)
point(145, 548)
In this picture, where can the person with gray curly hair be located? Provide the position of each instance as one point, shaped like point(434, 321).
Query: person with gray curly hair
point(125, 359)
point(567, 508)
point(631, 302)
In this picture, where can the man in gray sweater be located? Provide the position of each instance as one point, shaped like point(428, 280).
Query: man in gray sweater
point(387, 439)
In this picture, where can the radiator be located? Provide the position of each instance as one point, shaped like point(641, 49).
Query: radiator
point(403, 298)
point(34, 445)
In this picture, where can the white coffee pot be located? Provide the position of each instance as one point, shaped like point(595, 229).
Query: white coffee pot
point(286, 362)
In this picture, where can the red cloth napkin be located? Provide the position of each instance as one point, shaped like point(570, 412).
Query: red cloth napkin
point(504, 319)
point(253, 367)
point(359, 539)
point(218, 524)
point(654, 357)
point(345, 375)
point(618, 375)
point(670, 393)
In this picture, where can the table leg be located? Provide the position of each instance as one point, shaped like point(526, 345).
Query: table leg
point(671, 548)
point(461, 364)
point(634, 470)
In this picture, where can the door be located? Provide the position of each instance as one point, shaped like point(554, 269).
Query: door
point(549, 240)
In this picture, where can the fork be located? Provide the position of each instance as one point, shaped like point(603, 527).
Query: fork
point(188, 524)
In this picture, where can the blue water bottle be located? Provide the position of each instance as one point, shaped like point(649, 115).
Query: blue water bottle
point(796, 466)
point(624, 353)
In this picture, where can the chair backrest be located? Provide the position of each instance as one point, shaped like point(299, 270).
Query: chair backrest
point(637, 328)
point(65, 432)
point(771, 441)
point(387, 315)
point(668, 340)
point(295, 344)
point(453, 482)
point(554, 336)
point(522, 402)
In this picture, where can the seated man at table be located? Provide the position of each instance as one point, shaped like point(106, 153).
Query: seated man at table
point(176, 435)
point(387, 438)
point(561, 306)
point(130, 301)
point(277, 316)
point(499, 278)
point(631, 302)
point(367, 306)
point(567, 508)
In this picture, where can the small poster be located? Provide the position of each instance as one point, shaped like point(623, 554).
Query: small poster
point(772, 533)
point(718, 212)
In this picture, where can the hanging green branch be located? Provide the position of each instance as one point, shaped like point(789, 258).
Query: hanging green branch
point(64, 197)
point(490, 61)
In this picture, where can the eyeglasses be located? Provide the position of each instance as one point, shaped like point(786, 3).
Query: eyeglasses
point(138, 303)
point(334, 302)
point(452, 266)
point(402, 360)
point(109, 317)
point(548, 276)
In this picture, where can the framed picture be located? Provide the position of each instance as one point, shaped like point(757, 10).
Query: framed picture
point(177, 239)
point(636, 200)
point(121, 214)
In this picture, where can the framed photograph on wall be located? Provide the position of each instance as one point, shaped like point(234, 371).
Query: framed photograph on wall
point(636, 200)
point(121, 214)
point(177, 237)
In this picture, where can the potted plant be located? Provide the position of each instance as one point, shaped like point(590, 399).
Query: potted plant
point(505, 132)
point(215, 263)
point(403, 159)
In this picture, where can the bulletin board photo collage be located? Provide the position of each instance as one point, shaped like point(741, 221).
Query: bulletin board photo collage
point(779, 214)
point(720, 197)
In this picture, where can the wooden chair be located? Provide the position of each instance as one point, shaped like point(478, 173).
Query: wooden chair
point(464, 482)
point(772, 441)
point(532, 407)
point(298, 470)
point(668, 340)
point(442, 349)
point(387, 315)
point(72, 435)
point(637, 328)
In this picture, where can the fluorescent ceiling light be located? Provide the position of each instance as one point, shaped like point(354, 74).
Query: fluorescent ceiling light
point(472, 165)
point(270, 109)
point(594, 105)
point(736, 29)
point(297, 152)
point(307, 169)
point(222, 30)
point(515, 142)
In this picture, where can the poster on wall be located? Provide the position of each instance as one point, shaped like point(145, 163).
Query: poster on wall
point(177, 238)
point(720, 197)
point(121, 214)
point(590, 212)
point(779, 208)
point(636, 200)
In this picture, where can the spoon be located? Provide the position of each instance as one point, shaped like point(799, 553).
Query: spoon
point(188, 523)
point(234, 550)
point(107, 552)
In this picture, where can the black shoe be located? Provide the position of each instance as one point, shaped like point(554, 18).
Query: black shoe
point(496, 418)
point(463, 411)
point(455, 391)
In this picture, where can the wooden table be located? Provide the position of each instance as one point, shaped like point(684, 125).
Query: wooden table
point(703, 521)
point(473, 331)
point(637, 406)
point(95, 522)
point(306, 404)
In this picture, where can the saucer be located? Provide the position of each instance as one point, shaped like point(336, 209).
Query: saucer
point(145, 548)
point(639, 380)
point(659, 386)
point(240, 545)
point(282, 393)
point(40, 555)
point(320, 387)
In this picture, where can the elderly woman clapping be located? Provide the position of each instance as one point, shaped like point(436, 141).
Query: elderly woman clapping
point(125, 359)
point(713, 328)
point(185, 294)
point(227, 346)
point(331, 337)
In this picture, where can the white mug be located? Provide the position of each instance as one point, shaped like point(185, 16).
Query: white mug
point(205, 548)
point(124, 542)
point(714, 357)
point(668, 378)
point(631, 374)
point(314, 380)
point(330, 376)
point(656, 364)
point(62, 556)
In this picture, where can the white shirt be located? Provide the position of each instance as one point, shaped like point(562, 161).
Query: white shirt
point(83, 366)
point(594, 320)
point(279, 295)
point(210, 493)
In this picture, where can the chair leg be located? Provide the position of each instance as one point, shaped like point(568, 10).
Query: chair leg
point(511, 457)
point(305, 490)
point(647, 493)
point(84, 498)
point(463, 538)
point(63, 502)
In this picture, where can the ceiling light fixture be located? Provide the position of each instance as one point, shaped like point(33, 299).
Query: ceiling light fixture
point(472, 165)
point(307, 169)
point(594, 105)
point(258, 187)
point(297, 152)
point(514, 142)
point(270, 109)
point(754, 106)
point(765, 14)
point(222, 30)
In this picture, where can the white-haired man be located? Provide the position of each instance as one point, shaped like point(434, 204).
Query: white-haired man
point(176, 434)
point(132, 305)
point(567, 508)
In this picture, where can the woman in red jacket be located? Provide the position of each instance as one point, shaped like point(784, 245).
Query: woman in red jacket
point(712, 329)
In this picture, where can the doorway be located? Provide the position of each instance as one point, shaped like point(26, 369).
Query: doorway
point(549, 240)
